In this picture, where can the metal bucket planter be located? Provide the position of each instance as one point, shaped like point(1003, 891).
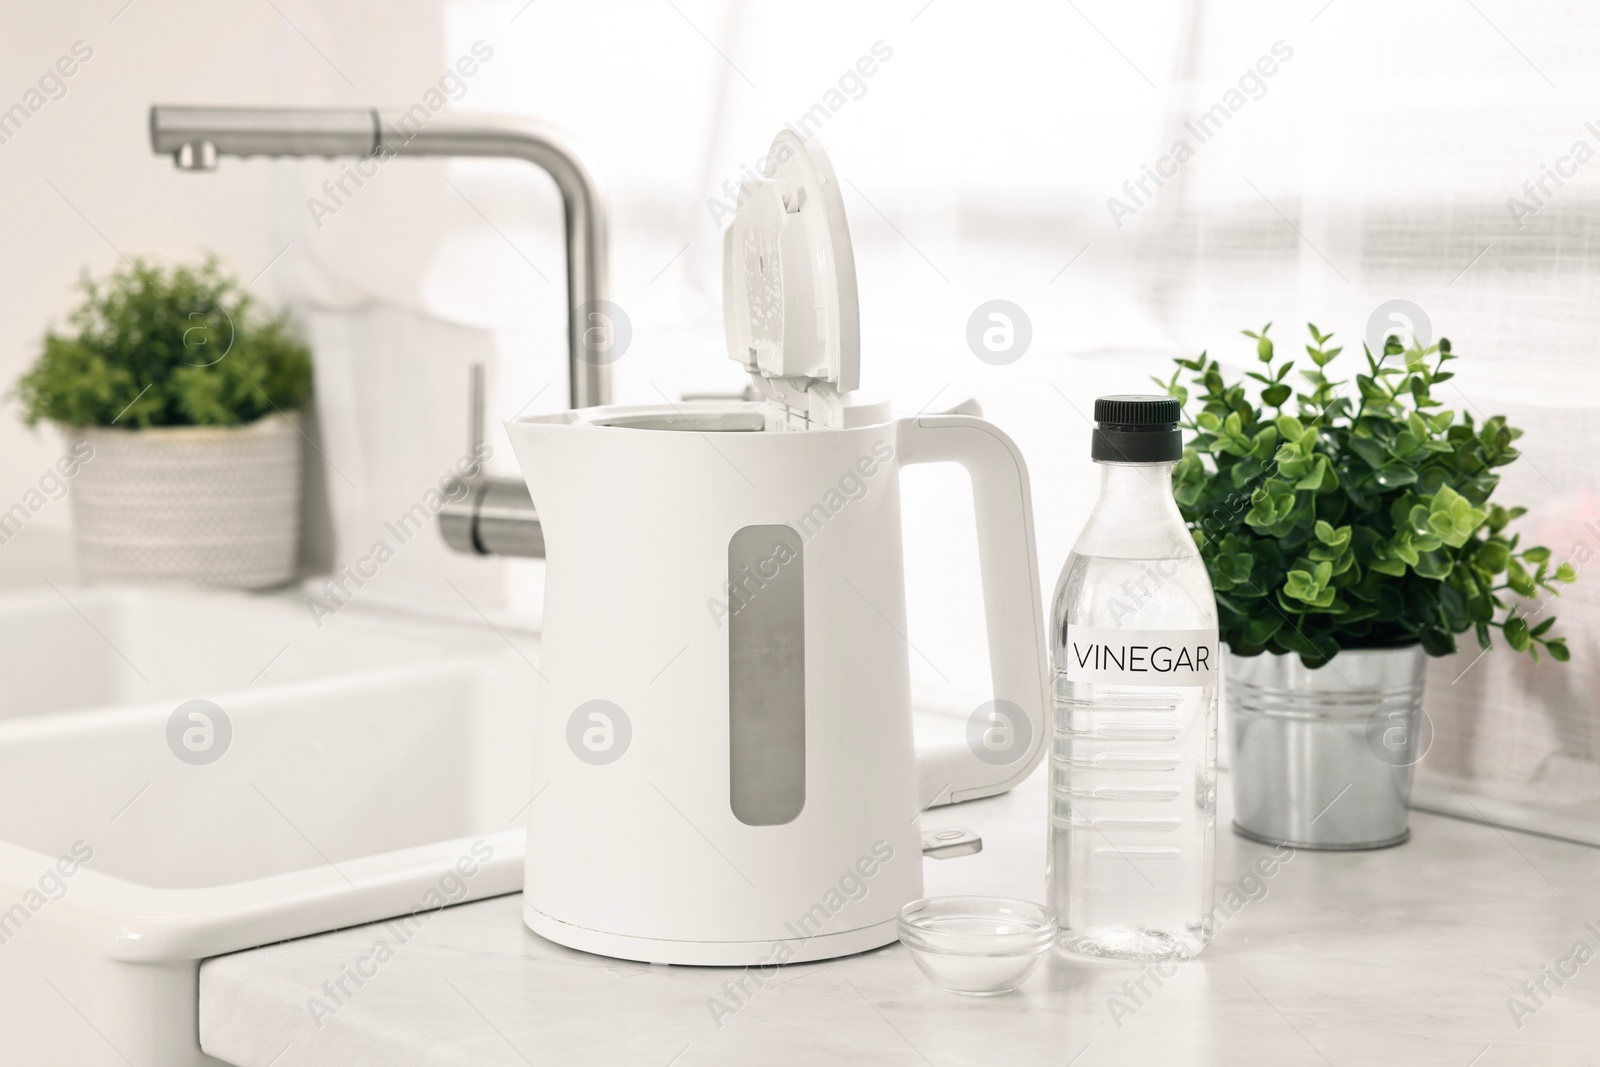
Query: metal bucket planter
point(201, 505)
point(1323, 758)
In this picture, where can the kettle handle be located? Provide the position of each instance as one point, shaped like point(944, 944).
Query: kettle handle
point(1008, 559)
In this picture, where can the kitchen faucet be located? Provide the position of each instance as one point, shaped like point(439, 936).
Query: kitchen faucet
point(497, 517)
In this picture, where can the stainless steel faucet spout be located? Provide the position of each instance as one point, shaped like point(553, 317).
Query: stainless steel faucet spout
point(266, 131)
point(196, 136)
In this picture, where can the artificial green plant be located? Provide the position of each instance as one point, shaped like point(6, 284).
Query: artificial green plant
point(1344, 521)
point(186, 346)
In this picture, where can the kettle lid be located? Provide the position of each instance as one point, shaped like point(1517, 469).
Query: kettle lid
point(789, 303)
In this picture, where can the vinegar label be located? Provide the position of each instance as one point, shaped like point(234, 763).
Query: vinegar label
point(1141, 657)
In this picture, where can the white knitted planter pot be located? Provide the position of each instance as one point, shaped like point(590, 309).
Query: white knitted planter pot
point(203, 505)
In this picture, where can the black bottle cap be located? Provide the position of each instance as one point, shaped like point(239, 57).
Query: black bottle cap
point(1137, 429)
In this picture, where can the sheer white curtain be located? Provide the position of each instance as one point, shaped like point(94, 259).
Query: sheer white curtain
point(1439, 153)
point(977, 144)
point(1340, 155)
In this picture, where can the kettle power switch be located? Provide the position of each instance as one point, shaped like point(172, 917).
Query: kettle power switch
point(950, 842)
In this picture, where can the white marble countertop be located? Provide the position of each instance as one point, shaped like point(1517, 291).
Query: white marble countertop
point(1410, 955)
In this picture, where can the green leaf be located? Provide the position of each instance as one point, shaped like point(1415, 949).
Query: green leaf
point(1394, 476)
point(1369, 450)
point(1492, 556)
point(1557, 647)
point(1435, 565)
point(1300, 585)
point(1265, 444)
point(1260, 628)
point(1519, 579)
point(1566, 573)
point(1444, 499)
point(1436, 642)
point(1314, 478)
point(1403, 547)
point(1516, 631)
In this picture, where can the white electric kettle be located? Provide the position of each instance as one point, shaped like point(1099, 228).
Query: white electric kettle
point(723, 759)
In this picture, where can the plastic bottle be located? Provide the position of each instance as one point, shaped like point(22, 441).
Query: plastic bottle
point(1134, 666)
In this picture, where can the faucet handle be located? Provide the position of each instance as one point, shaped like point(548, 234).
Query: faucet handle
point(497, 516)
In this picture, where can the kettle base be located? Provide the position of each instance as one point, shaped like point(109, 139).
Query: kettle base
point(710, 953)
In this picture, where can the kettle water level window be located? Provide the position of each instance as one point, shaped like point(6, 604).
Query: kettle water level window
point(766, 675)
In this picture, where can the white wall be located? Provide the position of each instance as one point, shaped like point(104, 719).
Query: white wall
point(1377, 164)
point(80, 184)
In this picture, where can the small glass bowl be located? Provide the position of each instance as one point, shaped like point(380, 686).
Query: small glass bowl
point(976, 946)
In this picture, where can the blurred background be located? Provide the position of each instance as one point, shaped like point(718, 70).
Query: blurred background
point(1363, 153)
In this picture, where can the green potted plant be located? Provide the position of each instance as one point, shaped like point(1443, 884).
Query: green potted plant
point(180, 397)
point(1348, 534)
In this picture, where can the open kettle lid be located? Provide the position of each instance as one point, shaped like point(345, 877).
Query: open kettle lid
point(789, 303)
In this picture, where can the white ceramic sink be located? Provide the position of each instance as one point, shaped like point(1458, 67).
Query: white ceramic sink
point(377, 767)
point(82, 648)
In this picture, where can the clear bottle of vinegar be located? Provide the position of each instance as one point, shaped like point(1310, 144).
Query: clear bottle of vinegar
point(1134, 666)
